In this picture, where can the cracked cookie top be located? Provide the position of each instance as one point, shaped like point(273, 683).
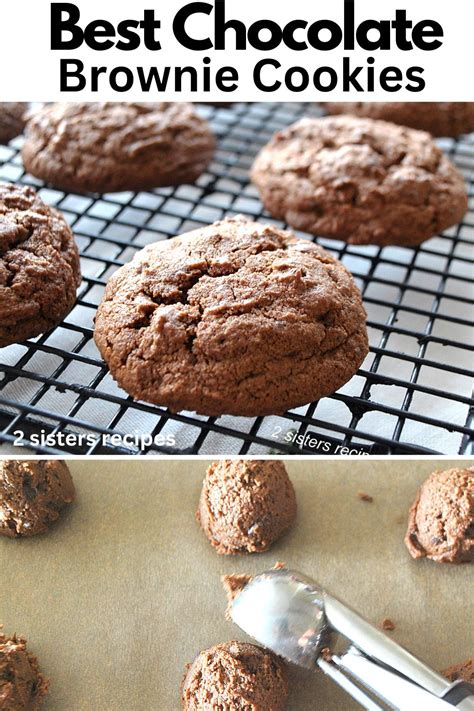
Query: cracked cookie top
point(360, 180)
point(236, 317)
point(440, 118)
point(39, 265)
point(12, 119)
point(107, 147)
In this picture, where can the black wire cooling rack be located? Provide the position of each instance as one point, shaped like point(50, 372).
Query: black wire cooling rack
point(411, 396)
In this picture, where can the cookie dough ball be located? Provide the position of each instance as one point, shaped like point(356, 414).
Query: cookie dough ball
point(39, 265)
point(107, 147)
point(441, 520)
point(234, 676)
point(360, 180)
point(12, 120)
point(440, 118)
point(464, 671)
point(235, 318)
point(32, 495)
point(245, 506)
point(22, 686)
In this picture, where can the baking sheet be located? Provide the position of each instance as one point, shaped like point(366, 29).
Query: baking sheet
point(126, 589)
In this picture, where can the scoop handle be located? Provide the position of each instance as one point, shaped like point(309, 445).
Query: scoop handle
point(390, 676)
point(379, 689)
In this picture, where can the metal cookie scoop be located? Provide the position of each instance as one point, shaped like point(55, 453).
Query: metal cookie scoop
point(297, 619)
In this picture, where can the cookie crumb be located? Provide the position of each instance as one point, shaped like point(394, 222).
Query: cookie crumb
point(464, 670)
point(326, 654)
point(365, 497)
point(387, 625)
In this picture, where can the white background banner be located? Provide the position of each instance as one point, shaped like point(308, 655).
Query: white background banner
point(31, 70)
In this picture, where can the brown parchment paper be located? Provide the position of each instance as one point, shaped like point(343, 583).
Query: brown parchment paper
point(126, 589)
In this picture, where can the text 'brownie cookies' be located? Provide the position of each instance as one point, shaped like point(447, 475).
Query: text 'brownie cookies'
point(235, 318)
point(108, 147)
point(441, 520)
point(39, 265)
point(12, 120)
point(32, 495)
point(235, 675)
point(246, 505)
point(22, 685)
point(440, 118)
point(359, 180)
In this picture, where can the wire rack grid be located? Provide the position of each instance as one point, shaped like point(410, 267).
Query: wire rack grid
point(413, 394)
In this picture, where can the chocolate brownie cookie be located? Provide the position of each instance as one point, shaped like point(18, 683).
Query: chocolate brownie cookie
point(32, 495)
point(359, 180)
point(246, 505)
point(441, 520)
point(39, 265)
point(12, 120)
point(22, 685)
point(117, 146)
point(237, 317)
point(440, 118)
point(235, 675)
